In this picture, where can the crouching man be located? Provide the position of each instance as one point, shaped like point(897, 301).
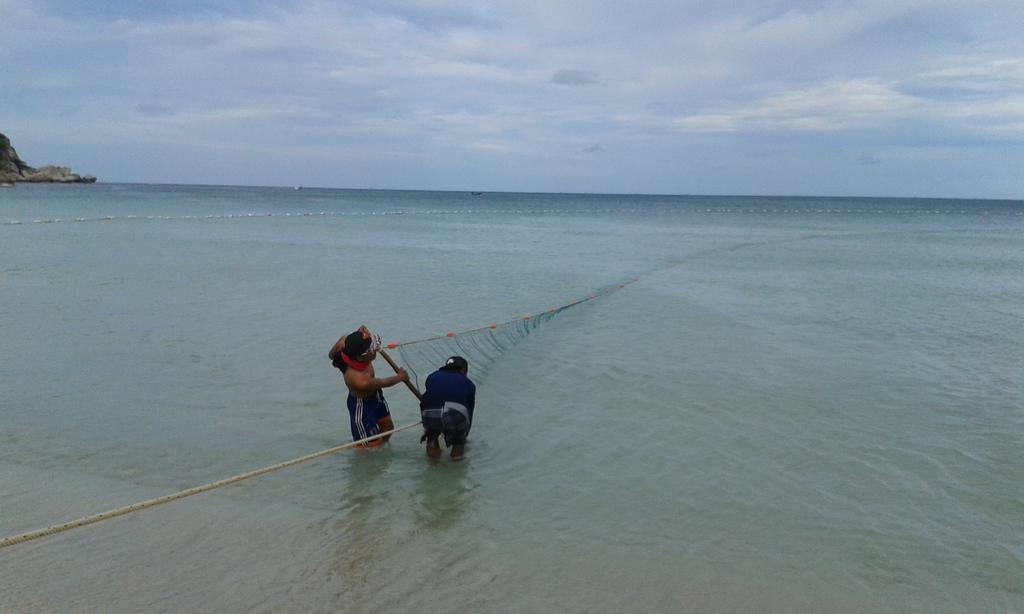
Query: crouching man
point(447, 407)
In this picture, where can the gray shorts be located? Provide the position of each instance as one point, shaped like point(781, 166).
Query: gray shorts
point(451, 420)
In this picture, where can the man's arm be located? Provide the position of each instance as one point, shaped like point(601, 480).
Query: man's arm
point(362, 382)
point(336, 349)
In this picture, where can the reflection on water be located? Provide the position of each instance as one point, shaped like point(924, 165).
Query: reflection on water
point(441, 494)
point(362, 523)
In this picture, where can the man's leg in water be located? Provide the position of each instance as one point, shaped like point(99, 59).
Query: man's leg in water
point(432, 426)
point(457, 440)
point(384, 424)
point(433, 447)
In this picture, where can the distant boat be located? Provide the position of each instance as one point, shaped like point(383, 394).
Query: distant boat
point(298, 187)
point(6, 184)
point(476, 193)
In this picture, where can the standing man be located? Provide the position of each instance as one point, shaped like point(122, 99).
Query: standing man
point(368, 412)
point(447, 407)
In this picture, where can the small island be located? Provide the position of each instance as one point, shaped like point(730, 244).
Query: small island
point(14, 170)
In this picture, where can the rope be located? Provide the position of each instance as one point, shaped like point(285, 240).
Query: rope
point(135, 507)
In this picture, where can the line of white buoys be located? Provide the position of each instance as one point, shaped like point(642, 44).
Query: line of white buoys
point(657, 210)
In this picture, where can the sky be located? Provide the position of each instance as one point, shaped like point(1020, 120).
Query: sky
point(918, 98)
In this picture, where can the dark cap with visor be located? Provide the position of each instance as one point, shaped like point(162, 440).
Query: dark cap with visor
point(356, 344)
point(455, 363)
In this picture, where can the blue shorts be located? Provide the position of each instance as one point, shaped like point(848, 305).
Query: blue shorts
point(367, 414)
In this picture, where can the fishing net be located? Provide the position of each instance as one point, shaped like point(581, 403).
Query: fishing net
point(481, 347)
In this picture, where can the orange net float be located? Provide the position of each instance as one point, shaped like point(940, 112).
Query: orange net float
point(392, 346)
point(493, 326)
point(527, 317)
point(449, 334)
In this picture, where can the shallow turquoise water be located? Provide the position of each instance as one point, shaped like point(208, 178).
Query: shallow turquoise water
point(799, 405)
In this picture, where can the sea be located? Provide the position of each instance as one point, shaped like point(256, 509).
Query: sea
point(769, 404)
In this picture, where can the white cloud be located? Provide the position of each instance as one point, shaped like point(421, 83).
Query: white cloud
point(827, 107)
point(976, 73)
point(484, 81)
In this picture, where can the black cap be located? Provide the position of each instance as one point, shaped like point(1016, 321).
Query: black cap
point(356, 344)
point(455, 363)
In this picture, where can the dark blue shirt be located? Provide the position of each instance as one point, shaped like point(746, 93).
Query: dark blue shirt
point(442, 386)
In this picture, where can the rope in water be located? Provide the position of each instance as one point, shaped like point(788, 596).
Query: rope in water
point(135, 507)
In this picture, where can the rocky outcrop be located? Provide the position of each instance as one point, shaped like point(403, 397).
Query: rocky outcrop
point(56, 174)
point(11, 166)
point(13, 169)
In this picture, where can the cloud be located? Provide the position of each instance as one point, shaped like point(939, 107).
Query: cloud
point(154, 110)
point(710, 122)
point(868, 159)
point(978, 73)
point(826, 107)
point(470, 84)
point(566, 76)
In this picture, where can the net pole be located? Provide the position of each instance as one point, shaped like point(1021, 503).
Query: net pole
point(407, 382)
